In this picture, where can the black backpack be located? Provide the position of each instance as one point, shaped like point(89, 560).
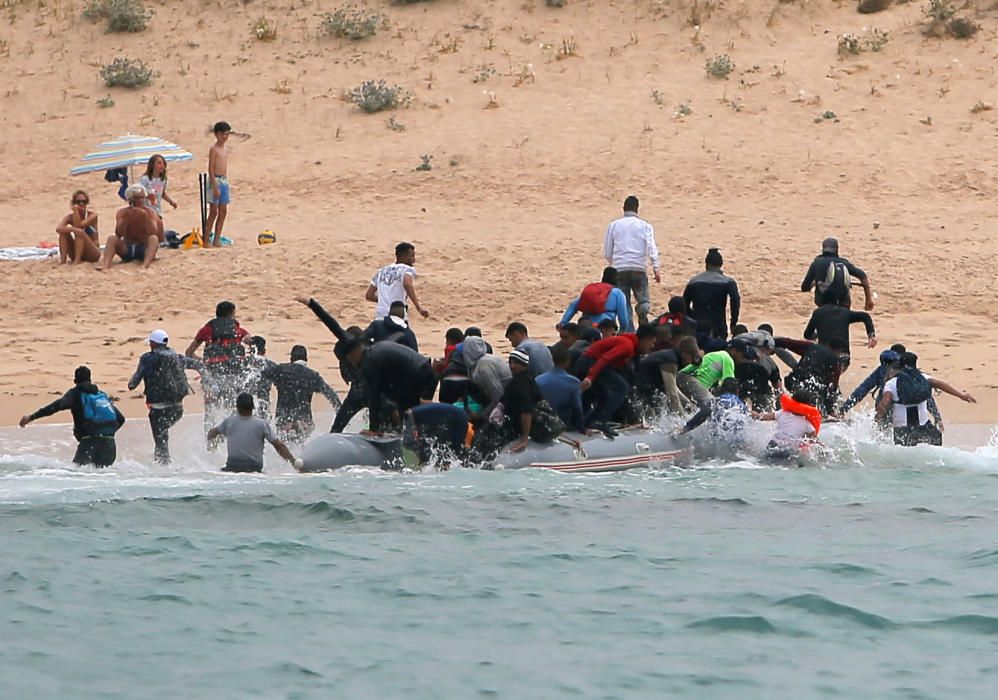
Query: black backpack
point(912, 387)
point(837, 282)
point(169, 382)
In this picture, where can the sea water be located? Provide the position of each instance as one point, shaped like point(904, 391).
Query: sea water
point(873, 576)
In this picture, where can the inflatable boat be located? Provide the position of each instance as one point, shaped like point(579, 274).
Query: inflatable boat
point(571, 452)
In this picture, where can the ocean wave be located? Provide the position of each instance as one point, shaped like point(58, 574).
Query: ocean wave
point(735, 623)
point(819, 605)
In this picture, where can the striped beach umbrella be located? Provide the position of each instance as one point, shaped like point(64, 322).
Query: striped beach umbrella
point(129, 150)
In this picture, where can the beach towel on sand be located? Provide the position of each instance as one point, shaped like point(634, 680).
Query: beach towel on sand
point(27, 253)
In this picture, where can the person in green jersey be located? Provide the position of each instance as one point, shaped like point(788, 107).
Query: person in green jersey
point(697, 380)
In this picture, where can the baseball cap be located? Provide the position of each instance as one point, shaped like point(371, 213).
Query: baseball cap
point(889, 357)
point(830, 245)
point(159, 337)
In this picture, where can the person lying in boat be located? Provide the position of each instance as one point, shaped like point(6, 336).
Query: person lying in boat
point(798, 423)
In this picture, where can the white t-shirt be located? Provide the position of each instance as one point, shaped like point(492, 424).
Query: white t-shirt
point(156, 187)
point(790, 429)
point(901, 410)
point(389, 281)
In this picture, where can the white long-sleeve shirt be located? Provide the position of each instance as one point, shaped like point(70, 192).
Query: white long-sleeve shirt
point(630, 242)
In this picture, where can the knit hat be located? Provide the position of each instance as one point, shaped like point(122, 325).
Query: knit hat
point(521, 357)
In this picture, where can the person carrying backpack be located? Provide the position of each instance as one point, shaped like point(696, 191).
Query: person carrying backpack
point(599, 301)
point(907, 393)
point(162, 372)
point(830, 275)
point(95, 420)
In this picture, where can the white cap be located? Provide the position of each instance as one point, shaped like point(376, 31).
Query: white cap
point(159, 337)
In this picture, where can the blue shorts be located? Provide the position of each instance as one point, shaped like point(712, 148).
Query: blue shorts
point(134, 251)
point(223, 191)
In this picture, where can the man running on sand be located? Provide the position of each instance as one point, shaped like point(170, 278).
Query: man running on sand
point(218, 185)
point(137, 231)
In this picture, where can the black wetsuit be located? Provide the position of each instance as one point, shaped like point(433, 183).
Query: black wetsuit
point(818, 371)
point(819, 270)
point(706, 296)
point(397, 373)
point(296, 383)
point(754, 384)
point(357, 398)
point(832, 321)
point(258, 384)
point(99, 450)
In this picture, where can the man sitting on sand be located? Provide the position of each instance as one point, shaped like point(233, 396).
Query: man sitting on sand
point(137, 231)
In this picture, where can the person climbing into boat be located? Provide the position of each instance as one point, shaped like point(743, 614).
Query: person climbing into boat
point(601, 370)
point(522, 414)
point(798, 423)
point(727, 418)
point(540, 356)
point(347, 340)
point(818, 370)
point(562, 390)
point(906, 394)
point(391, 372)
point(487, 373)
point(599, 301)
point(436, 429)
point(697, 379)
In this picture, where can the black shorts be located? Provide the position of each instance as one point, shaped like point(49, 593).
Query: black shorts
point(98, 451)
point(241, 469)
point(134, 251)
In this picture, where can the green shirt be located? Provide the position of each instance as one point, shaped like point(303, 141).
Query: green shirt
point(713, 369)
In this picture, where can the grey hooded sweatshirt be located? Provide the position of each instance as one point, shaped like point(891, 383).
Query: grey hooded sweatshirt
point(487, 372)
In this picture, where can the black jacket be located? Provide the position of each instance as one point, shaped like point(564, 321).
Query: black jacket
point(392, 371)
point(71, 401)
point(819, 270)
point(707, 296)
point(833, 321)
point(386, 329)
point(296, 382)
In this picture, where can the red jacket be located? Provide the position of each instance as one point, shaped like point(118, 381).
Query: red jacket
point(615, 351)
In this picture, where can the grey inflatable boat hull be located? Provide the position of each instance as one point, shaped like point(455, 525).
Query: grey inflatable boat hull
point(572, 452)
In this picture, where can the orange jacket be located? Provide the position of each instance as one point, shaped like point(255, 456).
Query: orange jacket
point(811, 413)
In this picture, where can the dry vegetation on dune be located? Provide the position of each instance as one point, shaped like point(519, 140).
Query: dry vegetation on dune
point(500, 135)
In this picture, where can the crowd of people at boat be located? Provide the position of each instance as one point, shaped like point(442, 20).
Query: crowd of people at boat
point(616, 364)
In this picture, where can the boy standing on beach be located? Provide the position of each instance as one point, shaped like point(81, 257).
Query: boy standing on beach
point(218, 183)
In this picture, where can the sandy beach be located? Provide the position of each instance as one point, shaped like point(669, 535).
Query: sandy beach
point(529, 165)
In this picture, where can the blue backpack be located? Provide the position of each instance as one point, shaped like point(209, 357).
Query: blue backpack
point(99, 415)
point(913, 387)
